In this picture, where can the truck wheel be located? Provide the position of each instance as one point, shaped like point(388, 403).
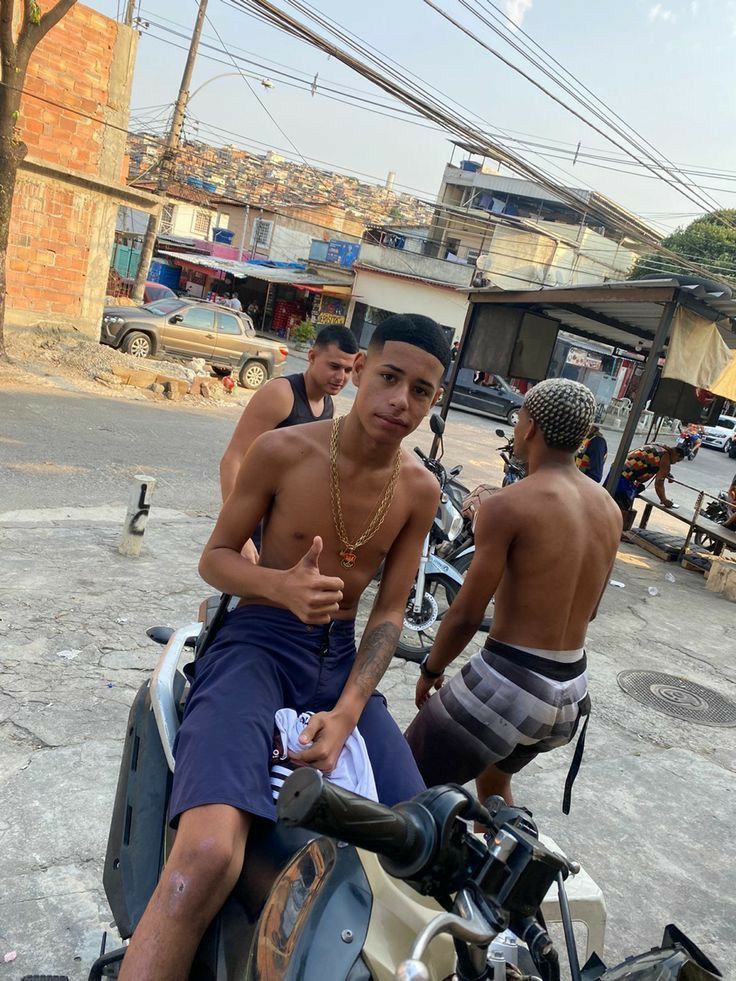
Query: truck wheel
point(138, 345)
point(513, 417)
point(253, 374)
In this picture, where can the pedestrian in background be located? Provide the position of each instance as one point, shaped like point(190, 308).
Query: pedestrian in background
point(592, 454)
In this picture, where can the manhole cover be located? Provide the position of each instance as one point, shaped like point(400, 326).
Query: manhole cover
point(678, 697)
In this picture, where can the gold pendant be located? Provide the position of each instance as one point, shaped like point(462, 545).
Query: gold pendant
point(347, 558)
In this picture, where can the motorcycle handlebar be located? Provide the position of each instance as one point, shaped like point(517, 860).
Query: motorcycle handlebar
point(405, 834)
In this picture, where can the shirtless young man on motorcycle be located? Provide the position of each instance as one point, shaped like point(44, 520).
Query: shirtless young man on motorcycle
point(337, 499)
point(544, 547)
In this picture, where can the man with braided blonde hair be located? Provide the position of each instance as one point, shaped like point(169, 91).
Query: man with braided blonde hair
point(545, 547)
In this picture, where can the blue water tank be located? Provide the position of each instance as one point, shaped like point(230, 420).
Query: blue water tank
point(194, 182)
point(209, 187)
point(223, 235)
point(470, 165)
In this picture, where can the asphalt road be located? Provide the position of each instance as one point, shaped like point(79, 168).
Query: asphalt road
point(59, 448)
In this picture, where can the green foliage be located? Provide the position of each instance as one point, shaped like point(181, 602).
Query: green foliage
point(709, 241)
point(35, 12)
point(304, 332)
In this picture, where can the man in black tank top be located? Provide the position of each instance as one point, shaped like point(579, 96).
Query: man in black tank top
point(301, 410)
point(294, 399)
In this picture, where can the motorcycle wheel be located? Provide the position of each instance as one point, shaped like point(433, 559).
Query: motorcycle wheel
point(420, 630)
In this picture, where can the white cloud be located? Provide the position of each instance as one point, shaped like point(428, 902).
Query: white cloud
point(516, 10)
point(659, 12)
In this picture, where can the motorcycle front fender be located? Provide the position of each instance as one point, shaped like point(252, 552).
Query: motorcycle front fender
point(438, 567)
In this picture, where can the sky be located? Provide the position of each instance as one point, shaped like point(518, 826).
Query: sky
point(666, 68)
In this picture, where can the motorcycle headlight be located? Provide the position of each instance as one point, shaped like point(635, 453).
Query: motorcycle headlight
point(288, 906)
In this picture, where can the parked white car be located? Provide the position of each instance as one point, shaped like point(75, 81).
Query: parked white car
point(722, 436)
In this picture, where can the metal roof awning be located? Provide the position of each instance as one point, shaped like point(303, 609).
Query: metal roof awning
point(625, 314)
point(635, 315)
point(272, 274)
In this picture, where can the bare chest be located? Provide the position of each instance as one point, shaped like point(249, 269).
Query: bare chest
point(352, 522)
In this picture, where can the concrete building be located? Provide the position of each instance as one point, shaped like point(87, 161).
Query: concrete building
point(520, 235)
point(286, 232)
point(389, 280)
point(488, 229)
point(73, 179)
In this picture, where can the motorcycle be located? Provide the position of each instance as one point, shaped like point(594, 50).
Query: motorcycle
point(514, 469)
point(719, 511)
point(447, 553)
point(438, 581)
point(345, 888)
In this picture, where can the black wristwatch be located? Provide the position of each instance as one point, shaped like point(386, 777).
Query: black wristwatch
point(429, 675)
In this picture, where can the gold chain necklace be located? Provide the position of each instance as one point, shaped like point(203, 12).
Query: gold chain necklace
point(348, 555)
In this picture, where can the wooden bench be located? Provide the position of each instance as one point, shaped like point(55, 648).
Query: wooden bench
point(695, 521)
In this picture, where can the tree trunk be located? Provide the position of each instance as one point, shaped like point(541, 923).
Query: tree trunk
point(12, 153)
point(8, 173)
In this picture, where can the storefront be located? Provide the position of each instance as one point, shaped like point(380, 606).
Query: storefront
point(278, 296)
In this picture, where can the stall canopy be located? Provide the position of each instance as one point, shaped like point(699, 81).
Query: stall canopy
point(292, 274)
point(510, 330)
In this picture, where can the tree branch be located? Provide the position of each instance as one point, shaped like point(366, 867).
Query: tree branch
point(52, 17)
point(35, 27)
point(7, 45)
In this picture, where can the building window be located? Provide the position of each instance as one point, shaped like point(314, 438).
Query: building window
point(473, 254)
point(262, 231)
point(201, 223)
point(167, 218)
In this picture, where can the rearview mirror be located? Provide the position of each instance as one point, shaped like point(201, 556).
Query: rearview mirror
point(177, 319)
point(501, 433)
point(437, 424)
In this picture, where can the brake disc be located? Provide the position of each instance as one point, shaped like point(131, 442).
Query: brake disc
point(420, 620)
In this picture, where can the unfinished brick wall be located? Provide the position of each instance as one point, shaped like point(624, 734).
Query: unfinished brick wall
point(73, 116)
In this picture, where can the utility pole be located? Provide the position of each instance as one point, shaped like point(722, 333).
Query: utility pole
point(167, 161)
point(130, 12)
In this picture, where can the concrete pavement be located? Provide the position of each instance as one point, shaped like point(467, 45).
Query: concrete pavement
point(653, 803)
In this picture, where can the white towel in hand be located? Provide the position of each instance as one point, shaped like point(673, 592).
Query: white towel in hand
point(353, 770)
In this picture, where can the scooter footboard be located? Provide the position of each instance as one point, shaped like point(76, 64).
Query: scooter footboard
point(136, 841)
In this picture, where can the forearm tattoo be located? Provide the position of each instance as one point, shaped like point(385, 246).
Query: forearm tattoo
point(376, 650)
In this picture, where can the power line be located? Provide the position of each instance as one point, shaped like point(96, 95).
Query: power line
point(675, 182)
point(553, 153)
point(395, 83)
point(476, 223)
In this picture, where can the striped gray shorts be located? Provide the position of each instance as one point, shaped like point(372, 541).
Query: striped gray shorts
point(498, 710)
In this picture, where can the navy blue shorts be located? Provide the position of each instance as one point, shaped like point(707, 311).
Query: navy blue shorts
point(261, 660)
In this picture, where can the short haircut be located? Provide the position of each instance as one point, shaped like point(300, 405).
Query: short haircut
point(336, 334)
point(563, 410)
point(414, 329)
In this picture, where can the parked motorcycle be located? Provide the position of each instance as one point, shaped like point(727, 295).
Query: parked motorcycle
point(514, 469)
point(346, 889)
point(718, 510)
point(437, 581)
point(448, 552)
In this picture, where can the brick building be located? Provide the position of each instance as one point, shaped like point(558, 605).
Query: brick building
point(74, 117)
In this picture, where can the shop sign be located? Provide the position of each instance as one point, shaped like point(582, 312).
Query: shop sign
point(580, 358)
